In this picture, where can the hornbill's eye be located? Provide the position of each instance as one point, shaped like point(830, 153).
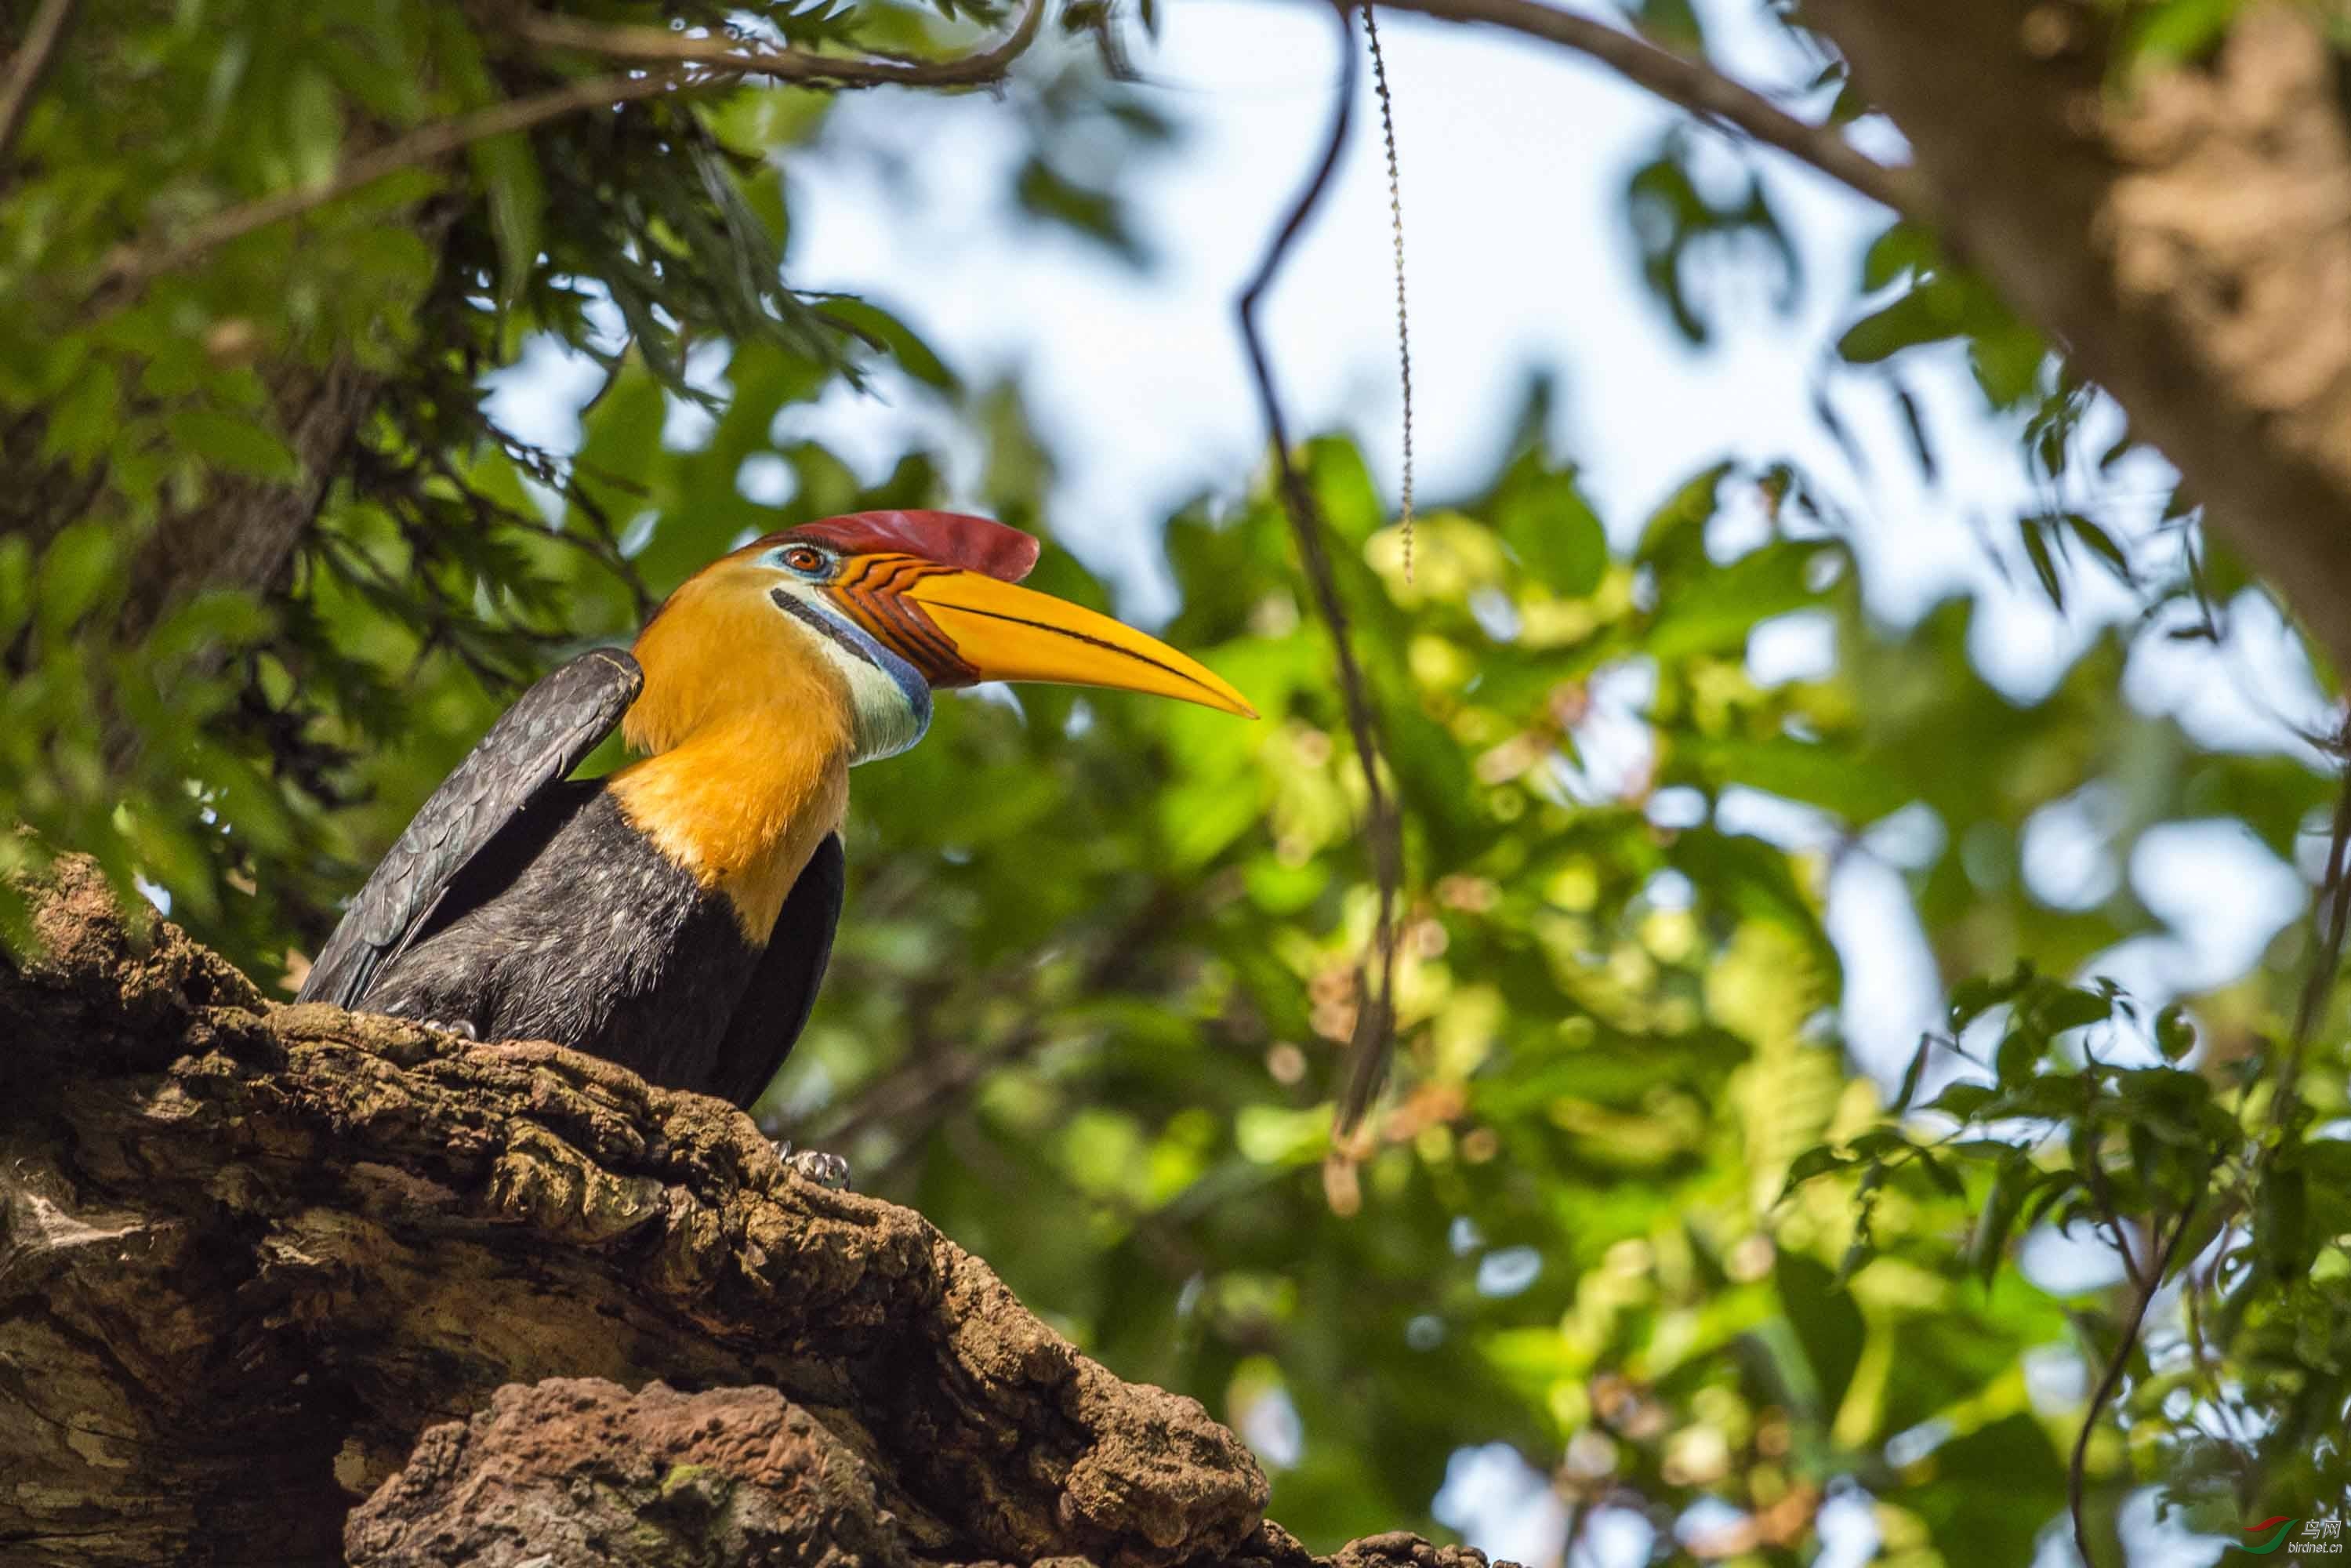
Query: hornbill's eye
point(805, 560)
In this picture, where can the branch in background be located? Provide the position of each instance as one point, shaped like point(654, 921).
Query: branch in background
point(133, 267)
point(743, 58)
point(1373, 1033)
point(2142, 1298)
point(925, 1089)
point(1697, 88)
point(28, 65)
point(2330, 906)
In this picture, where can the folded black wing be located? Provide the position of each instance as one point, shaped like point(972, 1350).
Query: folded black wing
point(536, 742)
point(775, 1006)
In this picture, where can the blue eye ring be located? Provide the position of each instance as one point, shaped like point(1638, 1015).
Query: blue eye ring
point(811, 563)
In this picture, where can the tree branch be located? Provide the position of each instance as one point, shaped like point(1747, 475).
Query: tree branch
point(252, 1253)
point(743, 58)
point(2094, 1173)
point(27, 66)
point(1373, 1033)
point(133, 267)
point(1696, 86)
point(2142, 1298)
point(2187, 241)
point(913, 1099)
point(2330, 912)
point(258, 1263)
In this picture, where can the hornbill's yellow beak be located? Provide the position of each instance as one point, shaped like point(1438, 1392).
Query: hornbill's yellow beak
point(1003, 631)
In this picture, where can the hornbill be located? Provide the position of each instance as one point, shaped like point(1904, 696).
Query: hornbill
point(677, 915)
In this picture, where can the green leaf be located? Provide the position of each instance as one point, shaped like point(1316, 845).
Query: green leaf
point(2170, 31)
point(233, 445)
point(1901, 249)
point(1828, 777)
point(2011, 1182)
point(883, 330)
point(1911, 1075)
point(1963, 1100)
point(1552, 529)
point(314, 127)
point(507, 169)
point(74, 570)
point(83, 421)
point(2056, 1010)
point(2019, 1052)
point(2281, 1220)
point(2044, 566)
point(1676, 531)
point(1827, 1323)
point(2102, 544)
point(1993, 1493)
point(2175, 1032)
point(1927, 314)
point(1817, 1161)
point(1705, 608)
point(1979, 994)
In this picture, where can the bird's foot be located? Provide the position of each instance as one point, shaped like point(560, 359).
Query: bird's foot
point(462, 1027)
point(828, 1171)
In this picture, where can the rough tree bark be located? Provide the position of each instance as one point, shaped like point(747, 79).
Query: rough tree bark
point(289, 1285)
point(2186, 237)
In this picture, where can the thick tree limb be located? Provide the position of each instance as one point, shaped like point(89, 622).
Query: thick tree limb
point(2189, 241)
point(1694, 86)
point(249, 1255)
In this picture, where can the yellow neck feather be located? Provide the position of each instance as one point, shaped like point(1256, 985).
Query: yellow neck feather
point(749, 732)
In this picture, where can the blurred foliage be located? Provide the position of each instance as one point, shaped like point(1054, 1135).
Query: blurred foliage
point(1633, 1209)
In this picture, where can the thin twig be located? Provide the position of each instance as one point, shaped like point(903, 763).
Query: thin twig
point(1373, 1034)
point(1697, 88)
point(917, 1095)
point(747, 58)
point(1396, 215)
point(2330, 908)
point(133, 267)
point(27, 66)
point(2095, 1175)
point(2114, 1374)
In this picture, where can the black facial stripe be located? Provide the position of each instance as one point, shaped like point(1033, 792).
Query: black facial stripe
point(821, 623)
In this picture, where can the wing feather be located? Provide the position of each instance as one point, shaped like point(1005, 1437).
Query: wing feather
point(775, 1006)
point(536, 742)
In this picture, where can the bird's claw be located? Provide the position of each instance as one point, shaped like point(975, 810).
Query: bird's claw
point(828, 1171)
point(462, 1027)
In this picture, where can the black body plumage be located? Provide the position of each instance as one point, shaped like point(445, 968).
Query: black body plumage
point(526, 906)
